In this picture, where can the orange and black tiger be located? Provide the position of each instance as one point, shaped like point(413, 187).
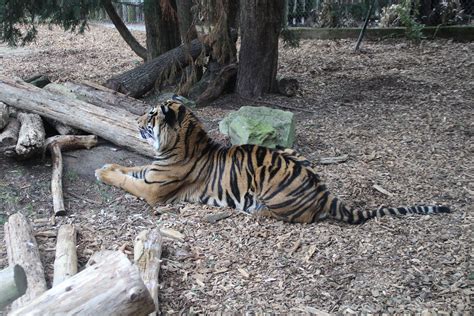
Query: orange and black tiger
point(191, 167)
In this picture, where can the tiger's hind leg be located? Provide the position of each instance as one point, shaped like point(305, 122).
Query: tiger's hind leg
point(130, 179)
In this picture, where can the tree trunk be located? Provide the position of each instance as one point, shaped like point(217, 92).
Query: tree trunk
point(136, 82)
point(22, 249)
point(110, 287)
point(260, 24)
point(65, 261)
point(162, 28)
point(117, 126)
point(215, 88)
point(123, 30)
point(187, 29)
point(12, 284)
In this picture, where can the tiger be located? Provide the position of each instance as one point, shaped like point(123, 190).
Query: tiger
point(191, 167)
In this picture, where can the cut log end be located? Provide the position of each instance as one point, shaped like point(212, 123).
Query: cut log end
point(13, 284)
point(31, 136)
point(287, 86)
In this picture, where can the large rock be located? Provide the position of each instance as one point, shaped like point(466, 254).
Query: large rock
point(260, 126)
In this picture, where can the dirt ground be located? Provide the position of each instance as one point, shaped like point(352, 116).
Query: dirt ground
point(403, 113)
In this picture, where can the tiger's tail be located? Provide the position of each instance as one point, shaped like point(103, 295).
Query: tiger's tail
point(337, 210)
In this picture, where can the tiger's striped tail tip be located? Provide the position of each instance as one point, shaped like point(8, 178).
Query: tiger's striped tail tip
point(442, 209)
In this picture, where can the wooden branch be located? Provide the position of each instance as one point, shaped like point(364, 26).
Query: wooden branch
point(55, 144)
point(23, 250)
point(65, 262)
point(4, 115)
point(12, 284)
point(9, 138)
point(217, 86)
point(31, 135)
point(118, 126)
point(215, 217)
point(332, 160)
point(110, 287)
point(146, 255)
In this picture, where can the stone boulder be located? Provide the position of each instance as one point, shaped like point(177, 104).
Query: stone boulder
point(259, 126)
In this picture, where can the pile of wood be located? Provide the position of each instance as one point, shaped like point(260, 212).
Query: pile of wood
point(110, 284)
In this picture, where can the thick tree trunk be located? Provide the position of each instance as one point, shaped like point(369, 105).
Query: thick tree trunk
point(138, 81)
point(12, 284)
point(65, 261)
point(162, 28)
point(111, 287)
point(117, 126)
point(22, 249)
point(187, 29)
point(215, 88)
point(260, 24)
point(123, 30)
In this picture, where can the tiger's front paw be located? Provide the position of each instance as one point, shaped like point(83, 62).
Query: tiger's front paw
point(105, 174)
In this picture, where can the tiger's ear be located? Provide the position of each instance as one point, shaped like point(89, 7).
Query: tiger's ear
point(170, 115)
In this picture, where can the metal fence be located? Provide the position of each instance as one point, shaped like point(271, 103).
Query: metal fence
point(386, 13)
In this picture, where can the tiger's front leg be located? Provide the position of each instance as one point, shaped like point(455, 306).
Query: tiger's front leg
point(130, 179)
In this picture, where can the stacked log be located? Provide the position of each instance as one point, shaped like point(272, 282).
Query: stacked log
point(23, 250)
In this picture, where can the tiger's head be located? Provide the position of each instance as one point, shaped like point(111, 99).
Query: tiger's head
point(168, 125)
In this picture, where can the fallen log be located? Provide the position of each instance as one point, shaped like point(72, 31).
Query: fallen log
point(110, 287)
point(31, 135)
point(118, 126)
point(23, 250)
point(4, 115)
point(98, 95)
point(65, 261)
point(136, 82)
point(55, 144)
point(9, 138)
point(12, 284)
point(146, 255)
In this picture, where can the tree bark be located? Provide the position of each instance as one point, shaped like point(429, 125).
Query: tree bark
point(123, 30)
point(146, 255)
point(187, 29)
point(260, 24)
point(23, 250)
point(217, 86)
point(55, 144)
point(31, 135)
point(65, 262)
point(117, 126)
point(111, 287)
point(12, 284)
point(162, 28)
point(136, 82)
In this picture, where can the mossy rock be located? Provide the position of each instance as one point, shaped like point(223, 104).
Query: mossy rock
point(259, 126)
